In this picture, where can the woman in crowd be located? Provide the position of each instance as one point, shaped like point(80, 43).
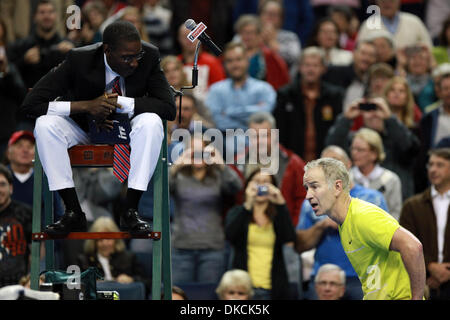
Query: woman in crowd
point(199, 182)
point(326, 36)
point(235, 284)
point(257, 231)
point(111, 257)
point(400, 99)
point(367, 153)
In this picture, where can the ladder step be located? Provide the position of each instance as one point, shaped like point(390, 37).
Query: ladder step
point(41, 236)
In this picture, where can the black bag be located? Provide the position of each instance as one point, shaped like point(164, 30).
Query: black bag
point(118, 135)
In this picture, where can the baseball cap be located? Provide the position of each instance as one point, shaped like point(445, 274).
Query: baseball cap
point(19, 135)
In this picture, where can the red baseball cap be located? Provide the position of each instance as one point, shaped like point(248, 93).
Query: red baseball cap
point(19, 135)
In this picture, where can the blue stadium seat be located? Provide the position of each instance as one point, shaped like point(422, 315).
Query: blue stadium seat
point(129, 291)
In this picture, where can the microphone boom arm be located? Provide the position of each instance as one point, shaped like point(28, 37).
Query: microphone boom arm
point(194, 82)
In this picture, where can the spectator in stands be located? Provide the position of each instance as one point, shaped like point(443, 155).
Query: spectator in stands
point(235, 284)
point(352, 78)
point(233, 100)
point(111, 256)
point(326, 36)
point(298, 15)
point(321, 232)
point(199, 181)
point(434, 127)
point(400, 100)
point(330, 282)
point(379, 75)
point(15, 232)
point(367, 153)
point(173, 70)
point(442, 52)
point(43, 49)
point(283, 42)
point(210, 68)
point(384, 46)
point(438, 72)
point(321, 6)
point(342, 16)
point(437, 11)
point(265, 63)
point(134, 15)
point(290, 166)
point(18, 17)
point(418, 68)
point(178, 294)
point(426, 216)
point(93, 15)
point(20, 157)
point(257, 231)
point(307, 107)
point(406, 28)
point(12, 92)
point(400, 144)
point(157, 20)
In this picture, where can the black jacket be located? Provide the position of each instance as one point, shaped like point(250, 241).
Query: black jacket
point(236, 231)
point(290, 116)
point(123, 262)
point(81, 76)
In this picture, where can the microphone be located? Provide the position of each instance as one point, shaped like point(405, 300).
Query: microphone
point(204, 38)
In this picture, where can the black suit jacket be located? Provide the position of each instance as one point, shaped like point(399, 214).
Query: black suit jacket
point(81, 76)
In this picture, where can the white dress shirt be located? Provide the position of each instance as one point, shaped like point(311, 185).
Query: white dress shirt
point(62, 108)
point(440, 205)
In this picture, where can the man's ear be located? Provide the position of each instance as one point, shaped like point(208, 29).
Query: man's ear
point(106, 48)
point(338, 187)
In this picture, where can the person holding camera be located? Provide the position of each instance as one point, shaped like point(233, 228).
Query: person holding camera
point(400, 144)
point(257, 231)
point(199, 182)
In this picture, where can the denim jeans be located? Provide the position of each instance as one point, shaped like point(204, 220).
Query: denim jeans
point(200, 265)
point(261, 294)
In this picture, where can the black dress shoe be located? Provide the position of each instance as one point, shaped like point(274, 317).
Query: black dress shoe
point(70, 222)
point(131, 222)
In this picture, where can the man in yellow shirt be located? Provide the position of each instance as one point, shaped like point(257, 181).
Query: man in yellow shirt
point(387, 258)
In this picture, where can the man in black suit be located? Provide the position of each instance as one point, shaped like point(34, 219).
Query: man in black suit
point(120, 75)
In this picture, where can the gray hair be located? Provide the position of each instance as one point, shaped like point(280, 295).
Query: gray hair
point(333, 170)
point(262, 116)
point(329, 267)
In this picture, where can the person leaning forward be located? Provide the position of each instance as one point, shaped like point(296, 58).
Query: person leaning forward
point(388, 258)
point(83, 85)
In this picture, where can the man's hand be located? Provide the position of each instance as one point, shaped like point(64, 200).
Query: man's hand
point(99, 108)
point(440, 271)
point(32, 56)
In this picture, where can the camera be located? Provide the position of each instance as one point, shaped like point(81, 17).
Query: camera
point(365, 106)
point(262, 190)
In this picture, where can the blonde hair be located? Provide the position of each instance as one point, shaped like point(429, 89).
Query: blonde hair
point(248, 19)
point(235, 278)
point(179, 66)
point(333, 170)
point(374, 141)
point(103, 224)
point(313, 51)
point(407, 116)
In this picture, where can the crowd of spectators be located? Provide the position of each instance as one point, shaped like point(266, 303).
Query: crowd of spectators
point(312, 78)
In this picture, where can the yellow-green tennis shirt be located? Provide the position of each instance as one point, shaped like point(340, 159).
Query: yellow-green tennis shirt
point(366, 235)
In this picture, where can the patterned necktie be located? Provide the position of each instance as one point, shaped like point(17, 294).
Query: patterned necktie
point(121, 163)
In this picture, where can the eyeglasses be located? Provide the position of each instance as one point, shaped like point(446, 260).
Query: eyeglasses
point(330, 283)
point(130, 58)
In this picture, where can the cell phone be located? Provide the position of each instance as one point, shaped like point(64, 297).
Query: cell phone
point(367, 106)
point(262, 190)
